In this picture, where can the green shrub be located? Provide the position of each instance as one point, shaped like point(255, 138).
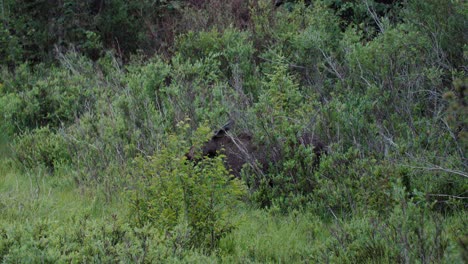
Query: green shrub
point(231, 50)
point(192, 203)
point(197, 90)
point(11, 51)
point(281, 116)
point(271, 238)
point(349, 183)
point(456, 118)
point(39, 96)
point(442, 22)
point(41, 147)
point(80, 240)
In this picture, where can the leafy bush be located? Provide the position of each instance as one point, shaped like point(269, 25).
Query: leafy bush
point(349, 183)
point(42, 147)
point(232, 51)
point(271, 238)
point(442, 22)
point(39, 96)
point(33, 31)
point(193, 203)
point(81, 239)
point(281, 116)
point(372, 80)
point(456, 120)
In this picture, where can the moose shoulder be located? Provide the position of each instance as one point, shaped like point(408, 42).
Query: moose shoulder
point(240, 149)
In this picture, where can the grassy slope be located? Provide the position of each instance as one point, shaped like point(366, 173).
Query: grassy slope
point(30, 200)
point(37, 208)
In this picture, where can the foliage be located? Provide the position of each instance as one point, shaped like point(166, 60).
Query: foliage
point(34, 97)
point(232, 50)
point(456, 119)
point(93, 153)
point(42, 147)
point(83, 240)
point(288, 112)
point(192, 202)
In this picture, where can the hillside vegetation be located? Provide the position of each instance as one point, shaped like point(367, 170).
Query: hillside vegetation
point(102, 103)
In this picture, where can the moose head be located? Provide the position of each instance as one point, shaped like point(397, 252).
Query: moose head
point(240, 149)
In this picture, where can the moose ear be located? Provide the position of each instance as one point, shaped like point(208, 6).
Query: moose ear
point(224, 129)
point(228, 125)
point(220, 133)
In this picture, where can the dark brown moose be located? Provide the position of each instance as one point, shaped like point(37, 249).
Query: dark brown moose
point(240, 149)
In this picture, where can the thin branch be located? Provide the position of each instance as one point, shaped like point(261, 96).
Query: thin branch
point(447, 195)
point(331, 211)
point(68, 136)
point(375, 17)
point(460, 150)
point(241, 147)
point(332, 65)
point(362, 74)
point(438, 168)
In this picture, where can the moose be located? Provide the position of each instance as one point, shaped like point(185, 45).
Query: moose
point(240, 150)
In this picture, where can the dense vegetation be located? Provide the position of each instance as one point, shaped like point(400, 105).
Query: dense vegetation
point(101, 100)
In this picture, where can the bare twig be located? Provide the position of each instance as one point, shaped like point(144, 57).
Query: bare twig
point(241, 147)
point(452, 135)
point(362, 74)
point(438, 168)
point(65, 61)
point(447, 195)
point(331, 211)
point(375, 17)
point(68, 136)
point(332, 65)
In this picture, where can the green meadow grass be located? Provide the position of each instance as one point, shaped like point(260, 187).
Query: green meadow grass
point(37, 209)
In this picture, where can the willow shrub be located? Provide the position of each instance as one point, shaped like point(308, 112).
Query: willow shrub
point(231, 51)
point(192, 202)
point(41, 147)
point(36, 96)
point(282, 114)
